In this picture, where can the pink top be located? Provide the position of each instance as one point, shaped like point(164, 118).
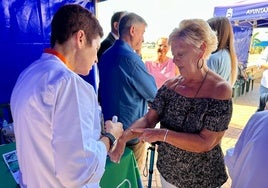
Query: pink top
point(161, 71)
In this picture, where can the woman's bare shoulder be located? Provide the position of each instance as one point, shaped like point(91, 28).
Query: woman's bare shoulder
point(222, 89)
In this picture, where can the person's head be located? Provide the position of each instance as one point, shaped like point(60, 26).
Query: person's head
point(78, 32)
point(115, 21)
point(131, 30)
point(162, 46)
point(192, 43)
point(224, 30)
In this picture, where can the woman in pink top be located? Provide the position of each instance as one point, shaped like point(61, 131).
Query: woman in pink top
point(163, 67)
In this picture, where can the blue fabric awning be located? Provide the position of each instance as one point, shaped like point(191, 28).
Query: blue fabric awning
point(247, 12)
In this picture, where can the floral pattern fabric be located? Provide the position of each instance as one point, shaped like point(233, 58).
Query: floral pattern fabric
point(190, 115)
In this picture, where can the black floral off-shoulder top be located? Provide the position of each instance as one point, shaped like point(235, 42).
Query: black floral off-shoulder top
point(190, 115)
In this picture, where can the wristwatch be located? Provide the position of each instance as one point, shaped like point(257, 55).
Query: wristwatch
point(112, 139)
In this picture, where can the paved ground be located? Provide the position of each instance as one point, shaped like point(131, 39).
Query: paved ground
point(244, 106)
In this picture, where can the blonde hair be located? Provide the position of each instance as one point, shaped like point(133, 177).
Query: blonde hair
point(161, 38)
point(196, 32)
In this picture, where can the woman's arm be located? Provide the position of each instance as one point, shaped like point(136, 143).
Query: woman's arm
point(202, 142)
point(148, 121)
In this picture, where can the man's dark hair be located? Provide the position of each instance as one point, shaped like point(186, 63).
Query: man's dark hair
point(116, 17)
point(71, 18)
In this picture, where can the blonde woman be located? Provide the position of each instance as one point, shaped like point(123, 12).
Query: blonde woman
point(194, 110)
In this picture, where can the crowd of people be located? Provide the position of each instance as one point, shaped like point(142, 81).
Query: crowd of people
point(57, 115)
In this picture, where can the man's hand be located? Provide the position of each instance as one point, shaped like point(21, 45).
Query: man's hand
point(116, 129)
point(118, 151)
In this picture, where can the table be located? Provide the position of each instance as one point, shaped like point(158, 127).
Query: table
point(122, 175)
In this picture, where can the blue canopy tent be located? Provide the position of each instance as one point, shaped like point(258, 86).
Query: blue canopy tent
point(244, 16)
point(252, 13)
point(24, 33)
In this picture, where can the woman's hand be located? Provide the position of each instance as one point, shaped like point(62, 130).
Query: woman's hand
point(118, 150)
point(150, 134)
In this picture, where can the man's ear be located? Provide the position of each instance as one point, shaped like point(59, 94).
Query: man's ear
point(116, 25)
point(81, 38)
point(132, 30)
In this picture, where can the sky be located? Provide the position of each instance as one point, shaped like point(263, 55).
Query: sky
point(162, 16)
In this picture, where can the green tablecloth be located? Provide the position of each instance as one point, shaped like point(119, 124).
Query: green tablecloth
point(122, 175)
point(6, 179)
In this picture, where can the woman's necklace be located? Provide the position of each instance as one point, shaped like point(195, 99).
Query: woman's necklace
point(201, 84)
point(180, 79)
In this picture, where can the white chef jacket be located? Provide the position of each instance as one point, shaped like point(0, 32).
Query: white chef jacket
point(247, 162)
point(57, 127)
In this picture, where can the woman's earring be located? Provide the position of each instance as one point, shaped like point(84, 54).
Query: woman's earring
point(202, 63)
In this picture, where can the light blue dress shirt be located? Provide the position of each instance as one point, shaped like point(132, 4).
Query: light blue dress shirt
point(125, 87)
